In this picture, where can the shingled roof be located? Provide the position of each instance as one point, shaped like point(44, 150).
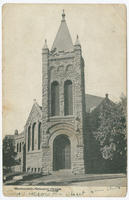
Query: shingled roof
point(63, 40)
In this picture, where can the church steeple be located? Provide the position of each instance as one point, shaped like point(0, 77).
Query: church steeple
point(63, 97)
point(63, 40)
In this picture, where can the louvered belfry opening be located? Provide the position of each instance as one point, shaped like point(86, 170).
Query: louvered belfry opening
point(55, 108)
point(68, 98)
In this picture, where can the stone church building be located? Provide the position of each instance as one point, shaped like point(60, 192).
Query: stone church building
point(54, 136)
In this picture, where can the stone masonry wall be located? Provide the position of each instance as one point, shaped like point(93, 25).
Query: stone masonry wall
point(62, 67)
point(34, 157)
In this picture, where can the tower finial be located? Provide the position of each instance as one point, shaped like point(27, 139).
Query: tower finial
point(34, 100)
point(77, 41)
point(45, 44)
point(63, 16)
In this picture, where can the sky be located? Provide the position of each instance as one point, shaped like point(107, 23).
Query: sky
point(102, 34)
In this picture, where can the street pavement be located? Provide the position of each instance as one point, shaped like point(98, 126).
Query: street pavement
point(80, 180)
point(116, 182)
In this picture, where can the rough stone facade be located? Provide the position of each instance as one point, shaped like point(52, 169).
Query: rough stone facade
point(42, 160)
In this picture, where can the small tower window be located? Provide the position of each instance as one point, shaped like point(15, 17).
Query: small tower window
point(68, 98)
point(55, 108)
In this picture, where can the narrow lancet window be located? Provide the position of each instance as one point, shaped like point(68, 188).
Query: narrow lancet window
point(33, 135)
point(39, 135)
point(68, 98)
point(55, 107)
point(29, 138)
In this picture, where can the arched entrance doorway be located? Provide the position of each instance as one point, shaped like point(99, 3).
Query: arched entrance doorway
point(61, 153)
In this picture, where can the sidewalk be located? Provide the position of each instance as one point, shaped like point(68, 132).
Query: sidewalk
point(60, 179)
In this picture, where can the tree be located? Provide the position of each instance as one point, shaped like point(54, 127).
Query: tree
point(111, 133)
point(9, 153)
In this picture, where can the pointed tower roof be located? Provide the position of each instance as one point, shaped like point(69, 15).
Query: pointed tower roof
point(63, 40)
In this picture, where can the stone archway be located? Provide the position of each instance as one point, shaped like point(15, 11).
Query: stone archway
point(61, 152)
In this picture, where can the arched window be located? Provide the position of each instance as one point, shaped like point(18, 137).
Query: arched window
point(55, 108)
point(29, 138)
point(39, 135)
point(68, 98)
point(17, 147)
point(33, 135)
point(20, 147)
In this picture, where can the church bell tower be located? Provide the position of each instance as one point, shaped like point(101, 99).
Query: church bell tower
point(63, 104)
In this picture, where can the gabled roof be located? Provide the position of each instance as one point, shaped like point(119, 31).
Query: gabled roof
point(92, 102)
point(36, 112)
point(106, 102)
point(63, 40)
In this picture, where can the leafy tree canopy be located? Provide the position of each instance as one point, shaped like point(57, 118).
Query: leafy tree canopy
point(111, 132)
point(9, 153)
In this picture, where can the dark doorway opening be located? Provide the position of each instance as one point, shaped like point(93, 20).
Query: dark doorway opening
point(61, 153)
